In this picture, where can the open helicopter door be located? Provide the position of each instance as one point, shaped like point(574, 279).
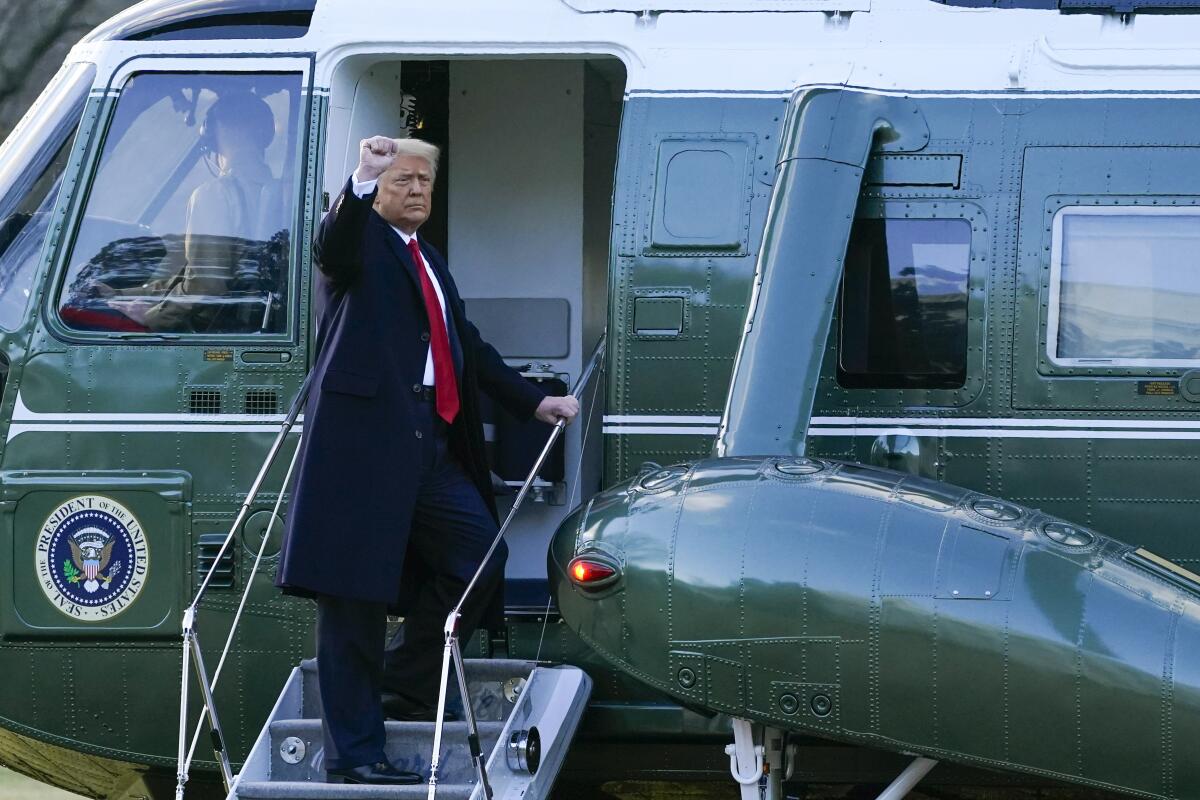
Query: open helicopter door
point(540, 300)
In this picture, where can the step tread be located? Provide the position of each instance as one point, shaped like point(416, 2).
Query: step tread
point(515, 665)
point(312, 790)
point(311, 724)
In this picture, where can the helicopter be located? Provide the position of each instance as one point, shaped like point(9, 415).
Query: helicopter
point(942, 240)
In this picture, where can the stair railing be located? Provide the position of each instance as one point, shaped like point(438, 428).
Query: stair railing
point(192, 656)
point(451, 649)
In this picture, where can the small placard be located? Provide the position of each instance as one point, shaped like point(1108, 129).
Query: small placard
point(1158, 388)
point(218, 355)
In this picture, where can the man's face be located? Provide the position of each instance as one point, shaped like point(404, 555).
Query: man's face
point(405, 193)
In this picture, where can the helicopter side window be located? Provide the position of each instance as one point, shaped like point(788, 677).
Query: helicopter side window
point(188, 224)
point(31, 171)
point(1125, 287)
point(904, 304)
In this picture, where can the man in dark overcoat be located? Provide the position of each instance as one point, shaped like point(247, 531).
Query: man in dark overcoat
point(393, 509)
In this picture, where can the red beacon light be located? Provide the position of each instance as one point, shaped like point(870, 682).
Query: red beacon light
point(593, 571)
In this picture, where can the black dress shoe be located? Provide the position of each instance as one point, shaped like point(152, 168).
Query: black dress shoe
point(402, 709)
point(382, 772)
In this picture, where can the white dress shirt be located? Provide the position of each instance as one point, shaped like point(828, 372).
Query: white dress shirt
point(363, 188)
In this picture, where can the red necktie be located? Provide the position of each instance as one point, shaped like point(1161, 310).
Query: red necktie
point(439, 342)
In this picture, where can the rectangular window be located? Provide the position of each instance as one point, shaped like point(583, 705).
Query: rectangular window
point(188, 223)
point(904, 304)
point(1125, 287)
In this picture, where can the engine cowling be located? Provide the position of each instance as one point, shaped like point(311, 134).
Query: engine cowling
point(871, 606)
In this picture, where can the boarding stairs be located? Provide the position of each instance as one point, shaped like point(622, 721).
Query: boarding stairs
point(518, 721)
point(527, 716)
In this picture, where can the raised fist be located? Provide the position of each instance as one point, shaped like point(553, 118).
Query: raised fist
point(375, 155)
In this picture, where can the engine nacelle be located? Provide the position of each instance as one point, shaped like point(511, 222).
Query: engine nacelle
point(871, 606)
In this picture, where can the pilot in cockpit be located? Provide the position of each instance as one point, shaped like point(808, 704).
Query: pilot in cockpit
point(235, 208)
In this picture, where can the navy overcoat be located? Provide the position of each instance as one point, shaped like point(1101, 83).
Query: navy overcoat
point(352, 504)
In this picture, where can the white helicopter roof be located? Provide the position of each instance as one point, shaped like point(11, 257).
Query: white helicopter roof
point(719, 46)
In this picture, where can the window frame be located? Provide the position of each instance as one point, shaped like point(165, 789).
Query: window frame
point(919, 208)
point(864, 377)
point(112, 90)
point(1054, 294)
point(48, 110)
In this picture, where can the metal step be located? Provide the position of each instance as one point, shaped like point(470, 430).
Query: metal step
point(289, 790)
point(486, 678)
point(287, 760)
point(409, 746)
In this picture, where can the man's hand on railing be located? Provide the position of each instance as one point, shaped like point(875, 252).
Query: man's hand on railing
point(552, 409)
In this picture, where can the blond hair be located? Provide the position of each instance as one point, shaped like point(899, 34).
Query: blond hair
point(421, 149)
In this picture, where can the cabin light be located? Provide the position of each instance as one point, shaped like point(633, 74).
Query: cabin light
point(592, 571)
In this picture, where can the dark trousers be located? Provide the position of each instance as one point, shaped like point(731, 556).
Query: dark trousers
point(450, 533)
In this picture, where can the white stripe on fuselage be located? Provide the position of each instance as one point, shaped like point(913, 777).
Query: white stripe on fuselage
point(658, 419)
point(1009, 433)
point(26, 421)
point(948, 427)
point(1002, 422)
point(17, 429)
point(21, 413)
point(662, 430)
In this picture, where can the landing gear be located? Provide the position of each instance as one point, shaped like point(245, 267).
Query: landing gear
point(906, 780)
point(760, 762)
point(756, 760)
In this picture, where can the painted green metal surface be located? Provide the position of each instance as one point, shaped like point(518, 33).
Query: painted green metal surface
point(820, 175)
point(179, 483)
point(1093, 461)
point(861, 604)
point(678, 304)
point(687, 373)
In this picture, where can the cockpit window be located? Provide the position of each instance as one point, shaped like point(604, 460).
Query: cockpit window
point(31, 171)
point(188, 224)
point(904, 304)
point(1125, 287)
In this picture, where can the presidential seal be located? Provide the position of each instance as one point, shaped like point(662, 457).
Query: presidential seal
point(92, 559)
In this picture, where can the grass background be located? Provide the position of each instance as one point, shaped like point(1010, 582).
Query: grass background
point(18, 787)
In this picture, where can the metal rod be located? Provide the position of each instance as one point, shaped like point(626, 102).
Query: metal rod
point(597, 355)
point(276, 446)
point(181, 773)
point(537, 465)
point(237, 617)
point(450, 642)
point(218, 739)
point(906, 780)
point(450, 647)
point(472, 728)
point(191, 645)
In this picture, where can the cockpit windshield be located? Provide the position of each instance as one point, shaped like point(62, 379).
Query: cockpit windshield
point(188, 224)
point(32, 163)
